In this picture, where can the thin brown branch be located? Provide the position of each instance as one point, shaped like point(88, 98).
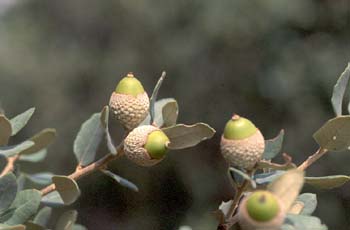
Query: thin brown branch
point(312, 159)
point(10, 165)
point(288, 164)
point(239, 193)
point(84, 171)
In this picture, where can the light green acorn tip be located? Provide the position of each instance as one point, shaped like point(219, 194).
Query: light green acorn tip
point(262, 206)
point(239, 128)
point(156, 144)
point(129, 85)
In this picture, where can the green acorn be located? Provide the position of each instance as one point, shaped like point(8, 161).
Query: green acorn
point(129, 102)
point(261, 210)
point(242, 144)
point(146, 145)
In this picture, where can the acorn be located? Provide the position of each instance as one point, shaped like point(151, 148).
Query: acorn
point(242, 144)
point(129, 102)
point(146, 145)
point(261, 210)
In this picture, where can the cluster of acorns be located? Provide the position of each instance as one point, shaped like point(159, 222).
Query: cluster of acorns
point(242, 145)
point(145, 145)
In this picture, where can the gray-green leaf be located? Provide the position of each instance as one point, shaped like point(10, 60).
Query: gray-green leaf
point(21, 120)
point(335, 134)
point(310, 203)
point(104, 121)
point(327, 182)
point(5, 130)
point(52, 199)
point(123, 182)
point(273, 146)
point(170, 112)
point(67, 188)
point(8, 191)
point(41, 141)
point(26, 205)
point(183, 136)
point(158, 113)
point(43, 216)
point(244, 176)
point(79, 227)
point(88, 139)
point(266, 178)
point(339, 91)
point(155, 94)
point(42, 178)
point(302, 222)
point(34, 157)
point(10, 151)
point(67, 220)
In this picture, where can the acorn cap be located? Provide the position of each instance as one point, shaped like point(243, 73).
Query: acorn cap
point(238, 128)
point(129, 85)
point(129, 103)
point(261, 210)
point(146, 145)
point(242, 144)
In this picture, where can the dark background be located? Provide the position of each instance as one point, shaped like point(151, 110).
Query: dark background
point(273, 61)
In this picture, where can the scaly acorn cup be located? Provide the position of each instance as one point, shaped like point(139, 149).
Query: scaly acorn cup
point(261, 210)
point(146, 145)
point(242, 144)
point(129, 102)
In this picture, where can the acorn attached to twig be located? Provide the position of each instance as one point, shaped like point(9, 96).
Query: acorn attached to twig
point(129, 102)
point(261, 210)
point(242, 144)
point(146, 145)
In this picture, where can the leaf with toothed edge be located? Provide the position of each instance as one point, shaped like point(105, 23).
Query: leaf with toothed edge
point(155, 94)
point(21, 120)
point(184, 136)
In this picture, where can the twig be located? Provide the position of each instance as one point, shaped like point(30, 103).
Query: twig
point(84, 171)
point(239, 193)
point(312, 159)
point(10, 165)
point(288, 164)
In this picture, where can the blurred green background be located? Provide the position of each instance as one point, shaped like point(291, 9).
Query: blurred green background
point(273, 61)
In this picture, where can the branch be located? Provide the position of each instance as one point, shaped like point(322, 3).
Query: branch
point(10, 165)
point(288, 163)
point(312, 159)
point(84, 171)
